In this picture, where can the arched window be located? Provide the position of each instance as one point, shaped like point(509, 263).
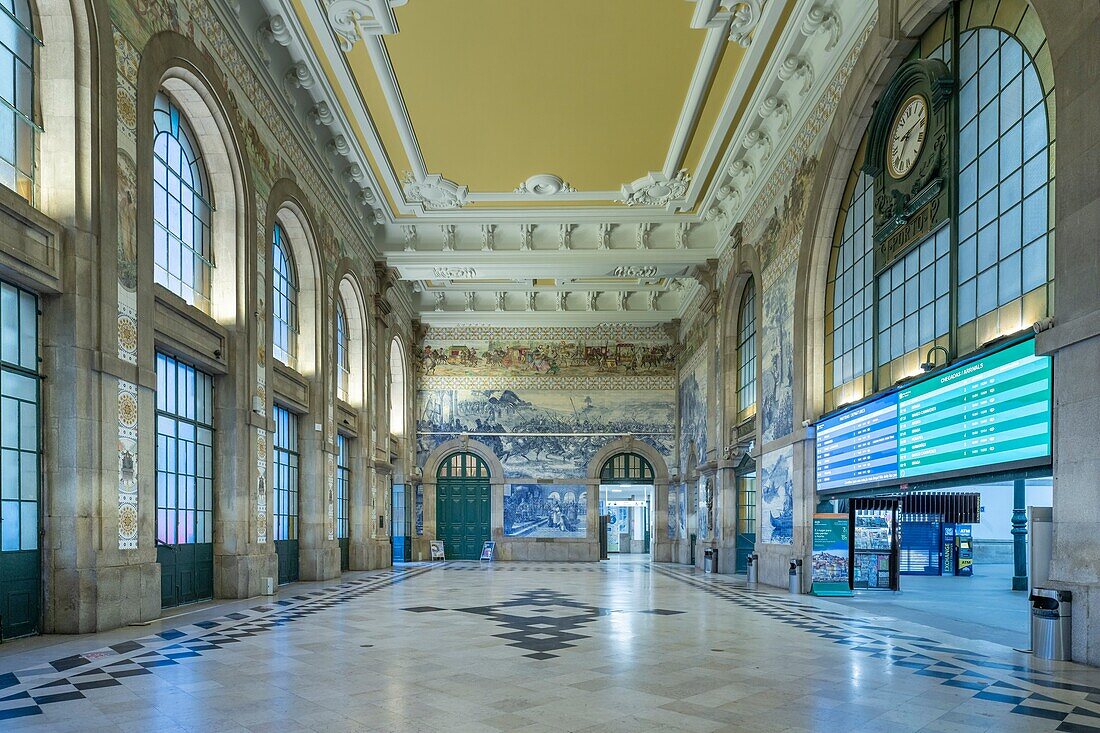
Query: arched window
point(626, 468)
point(1004, 175)
point(986, 273)
point(746, 353)
point(343, 354)
point(182, 248)
point(284, 299)
point(17, 92)
point(463, 465)
point(397, 388)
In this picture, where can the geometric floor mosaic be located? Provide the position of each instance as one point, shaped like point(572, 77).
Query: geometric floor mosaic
point(623, 645)
point(1077, 707)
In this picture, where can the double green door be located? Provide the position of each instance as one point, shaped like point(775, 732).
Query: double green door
point(186, 573)
point(462, 516)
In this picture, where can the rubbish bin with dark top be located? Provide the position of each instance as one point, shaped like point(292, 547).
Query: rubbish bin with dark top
point(794, 579)
point(710, 560)
point(751, 569)
point(1051, 614)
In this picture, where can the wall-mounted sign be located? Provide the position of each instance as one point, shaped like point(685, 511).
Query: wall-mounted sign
point(993, 411)
point(859, 446)
point(437, 550)
point(988, 414)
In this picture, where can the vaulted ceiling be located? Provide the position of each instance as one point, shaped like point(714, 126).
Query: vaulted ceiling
point(555, 162)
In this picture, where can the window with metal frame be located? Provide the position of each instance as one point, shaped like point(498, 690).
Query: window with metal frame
point(746, 504)
point(746, 352)
point(463, 465)
point(1004, 147)
point(185, 453)
point(850, 327)
point(285, 485)
point(19, 419)
point(182, 210)
point(626, 468)
point(284, 299)
point(914, 298)
point(17, 97)
point(343, 360)
point(343, 485)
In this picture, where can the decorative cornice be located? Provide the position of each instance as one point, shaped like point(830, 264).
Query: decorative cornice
point(655, 189)
point(354, 20)
point(435, 192)
point(638, 271)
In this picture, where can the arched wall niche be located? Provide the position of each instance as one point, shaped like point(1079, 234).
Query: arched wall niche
point(287, 208)
point(173, 63)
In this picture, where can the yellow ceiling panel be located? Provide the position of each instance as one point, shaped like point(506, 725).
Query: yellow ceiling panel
point(499, 90)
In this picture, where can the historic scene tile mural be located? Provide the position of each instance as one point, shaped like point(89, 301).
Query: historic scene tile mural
point(777, 497)
point(545, 510)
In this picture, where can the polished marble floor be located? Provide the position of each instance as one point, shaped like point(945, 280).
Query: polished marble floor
point(617, 646)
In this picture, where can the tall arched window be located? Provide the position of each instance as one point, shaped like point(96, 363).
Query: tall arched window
point(284, 299)
point(984, 274)
point(397, 388)
point(343, 354)
point(17, 125)
point(746, 353)
point(1004, 175)
point(182, 248)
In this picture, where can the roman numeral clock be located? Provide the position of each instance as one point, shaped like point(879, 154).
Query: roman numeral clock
point(909, 154)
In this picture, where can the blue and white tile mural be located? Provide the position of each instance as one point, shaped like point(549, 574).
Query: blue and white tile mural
point(777, 358)
point(777, 497)
point(548, 433)
point(419, 510)
point(683, 511)
point(545, 510)
point(704, 515)
point(672, 515)
point(693, 414)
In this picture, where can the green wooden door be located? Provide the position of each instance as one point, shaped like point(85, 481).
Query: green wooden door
point(463, 506)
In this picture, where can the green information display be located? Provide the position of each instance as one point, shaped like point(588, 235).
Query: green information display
point(829, 563)
point(992, 411)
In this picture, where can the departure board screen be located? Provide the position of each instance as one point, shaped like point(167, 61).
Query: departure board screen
point(859, 446)
point(988, 413)
point(992, 411)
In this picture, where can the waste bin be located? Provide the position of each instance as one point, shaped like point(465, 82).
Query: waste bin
point(794, 577)
point(710, 560)
point(750, 567)
point(1051, 612)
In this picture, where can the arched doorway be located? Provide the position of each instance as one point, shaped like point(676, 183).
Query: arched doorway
point(463, 505)
point(626, 505)
point(745, 539)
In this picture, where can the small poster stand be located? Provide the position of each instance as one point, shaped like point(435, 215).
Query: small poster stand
point(487, 548)
point(437, 550)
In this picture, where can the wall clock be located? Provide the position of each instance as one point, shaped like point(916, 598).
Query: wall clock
point(907, 133)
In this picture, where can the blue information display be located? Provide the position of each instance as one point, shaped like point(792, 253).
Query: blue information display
point(859, 446)
point(992, 411)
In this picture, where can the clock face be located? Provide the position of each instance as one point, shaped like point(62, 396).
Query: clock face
point(907, 136)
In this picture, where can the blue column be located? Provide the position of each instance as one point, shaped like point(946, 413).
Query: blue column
point(1019, 534)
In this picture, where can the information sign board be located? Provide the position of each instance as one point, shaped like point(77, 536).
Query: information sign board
point(993, 411)
point(829, 563)
point(859, 446)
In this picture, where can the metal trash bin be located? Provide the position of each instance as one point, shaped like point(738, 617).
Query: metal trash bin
point(750, 568)
point(1051, 614)
point(794, 577)
point(710, 560)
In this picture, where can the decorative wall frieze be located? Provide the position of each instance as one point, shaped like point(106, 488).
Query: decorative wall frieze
point(409, 230)
point(565, 237)
point(454, 273)
point(638, 271)
point(641, 237)
point(603, 236)
point(612, 382)
point(448, 237)
point(526, 235)
point(488, 236)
